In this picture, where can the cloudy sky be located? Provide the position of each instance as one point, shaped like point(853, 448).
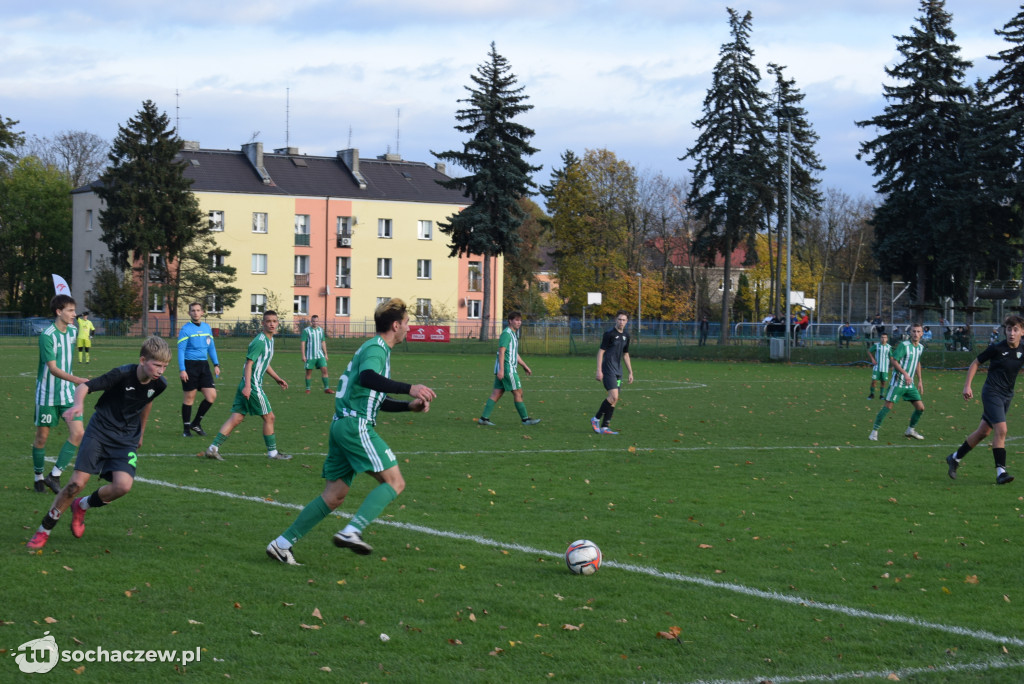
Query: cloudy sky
point(324, 75)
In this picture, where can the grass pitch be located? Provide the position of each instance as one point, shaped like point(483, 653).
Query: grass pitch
point(750, 533)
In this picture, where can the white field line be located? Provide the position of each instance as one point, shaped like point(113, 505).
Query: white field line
point(982, 635)
point(980, 666)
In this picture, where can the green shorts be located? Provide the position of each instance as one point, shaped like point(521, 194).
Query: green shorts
point(316, 363)
point(896, 393)
point(880, 375)
point(355, 447)
point(256, 405)
point(48, 416)
point(510, 382)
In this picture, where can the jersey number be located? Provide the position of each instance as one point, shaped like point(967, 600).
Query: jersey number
point(344, 381)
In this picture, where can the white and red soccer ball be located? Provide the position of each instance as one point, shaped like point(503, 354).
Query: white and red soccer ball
point(583, 557)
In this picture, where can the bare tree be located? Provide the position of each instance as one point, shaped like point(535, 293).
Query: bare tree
point(80, 155)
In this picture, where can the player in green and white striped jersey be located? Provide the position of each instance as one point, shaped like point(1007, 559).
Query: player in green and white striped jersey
point(250, 399)
point(55, 392)
point(906, 362)
point(506, 373)
point(314, 353)
point(879, 355)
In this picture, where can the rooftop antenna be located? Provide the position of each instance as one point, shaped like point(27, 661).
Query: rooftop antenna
point(349, 136)
point(398, 132)
point(287, 112)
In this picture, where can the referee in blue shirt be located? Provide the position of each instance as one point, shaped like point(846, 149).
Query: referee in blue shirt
point(195, 344)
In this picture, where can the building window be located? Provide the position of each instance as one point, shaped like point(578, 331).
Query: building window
point(259, 263)
point(345, 226)
point(257, 303)
point(544, 286)
point(475, 278)
point(341, 306)
point(383, 268)
point(259, 222)
point(301, 270)
point(382, 300)
point(214, 305)
point(302, 230)
point(423, 308)
point(300, 305)
point(472, 308)
point(343, 272)
point(384, 228)
point(217, 221)
point(423, 269)
point(88, 219)
point(156, 267)
point(156, 302)
point(426, 231)
point(217, 260)
point(88, 260)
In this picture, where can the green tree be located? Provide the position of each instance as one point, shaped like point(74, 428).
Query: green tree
point(149, 206)
point(1007, 90)
point(495, 155)
point(520, 286)
point(114, 296)
point(9, 141)
point(593, 206)
point(796, 169)
point(35, 234)
point(917, 155)
point(733, 158)
point(201, 274)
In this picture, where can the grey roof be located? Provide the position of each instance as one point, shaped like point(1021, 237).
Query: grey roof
point(305, 175)
point(312, 176)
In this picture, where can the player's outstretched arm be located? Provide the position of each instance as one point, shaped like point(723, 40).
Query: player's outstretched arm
point(971, 372)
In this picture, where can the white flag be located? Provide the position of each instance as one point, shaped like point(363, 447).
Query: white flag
point(60, 285)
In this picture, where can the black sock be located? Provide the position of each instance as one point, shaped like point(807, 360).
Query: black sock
point(999, 454)
point(604, 408)
point(204, 406)
point(186, 415)
point(608, 415)
point(49, 522)
point(95, 501)
point(962, 451)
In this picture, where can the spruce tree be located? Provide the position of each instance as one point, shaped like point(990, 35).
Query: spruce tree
point(1007, 90)
point(916, 156)
point(150, 208)
point(794, 139)
point(499, 175)
point(731, 186)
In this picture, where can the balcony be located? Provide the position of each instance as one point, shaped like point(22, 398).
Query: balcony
point(301, 280)
point(342, 281)
point(302, 239)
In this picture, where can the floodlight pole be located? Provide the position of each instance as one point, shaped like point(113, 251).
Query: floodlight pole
point(789, 235)
point(639, 302)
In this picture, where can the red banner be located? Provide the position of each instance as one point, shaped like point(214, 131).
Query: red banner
point(428, 333)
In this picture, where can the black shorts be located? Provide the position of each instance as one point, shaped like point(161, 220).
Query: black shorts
point(611, 381)
point(994, 406)
point(199, 376)
point(99, 459)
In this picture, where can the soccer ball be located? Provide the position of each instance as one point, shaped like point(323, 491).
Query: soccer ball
point(583, 557)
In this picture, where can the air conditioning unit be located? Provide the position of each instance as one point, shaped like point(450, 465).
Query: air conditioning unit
point(465, 302)
point(344, 241)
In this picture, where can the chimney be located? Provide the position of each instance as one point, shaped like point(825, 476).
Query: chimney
point(190, 145)
point(350, 158)
point(441, 168)
point(254, 152)
point(290, 151)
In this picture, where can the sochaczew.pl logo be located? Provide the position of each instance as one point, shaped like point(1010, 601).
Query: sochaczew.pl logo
point(42, 655)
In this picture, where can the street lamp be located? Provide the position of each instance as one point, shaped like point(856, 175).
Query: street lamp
point(639, 302)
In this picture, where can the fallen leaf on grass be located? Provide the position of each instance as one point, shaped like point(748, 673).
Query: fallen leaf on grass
point(194, 622)
point(455, 642)
point(325, 669)
point(305, 626)
point(672, 633)
point(317, 615)
point(49, 620)
point(971, 579)
point(496, 652)
point(705, 546)
point(572, 628)
point(79, 670)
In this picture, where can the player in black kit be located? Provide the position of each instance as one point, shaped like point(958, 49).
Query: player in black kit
point(1005, 358)
point(614, 350)
point(114, 433)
